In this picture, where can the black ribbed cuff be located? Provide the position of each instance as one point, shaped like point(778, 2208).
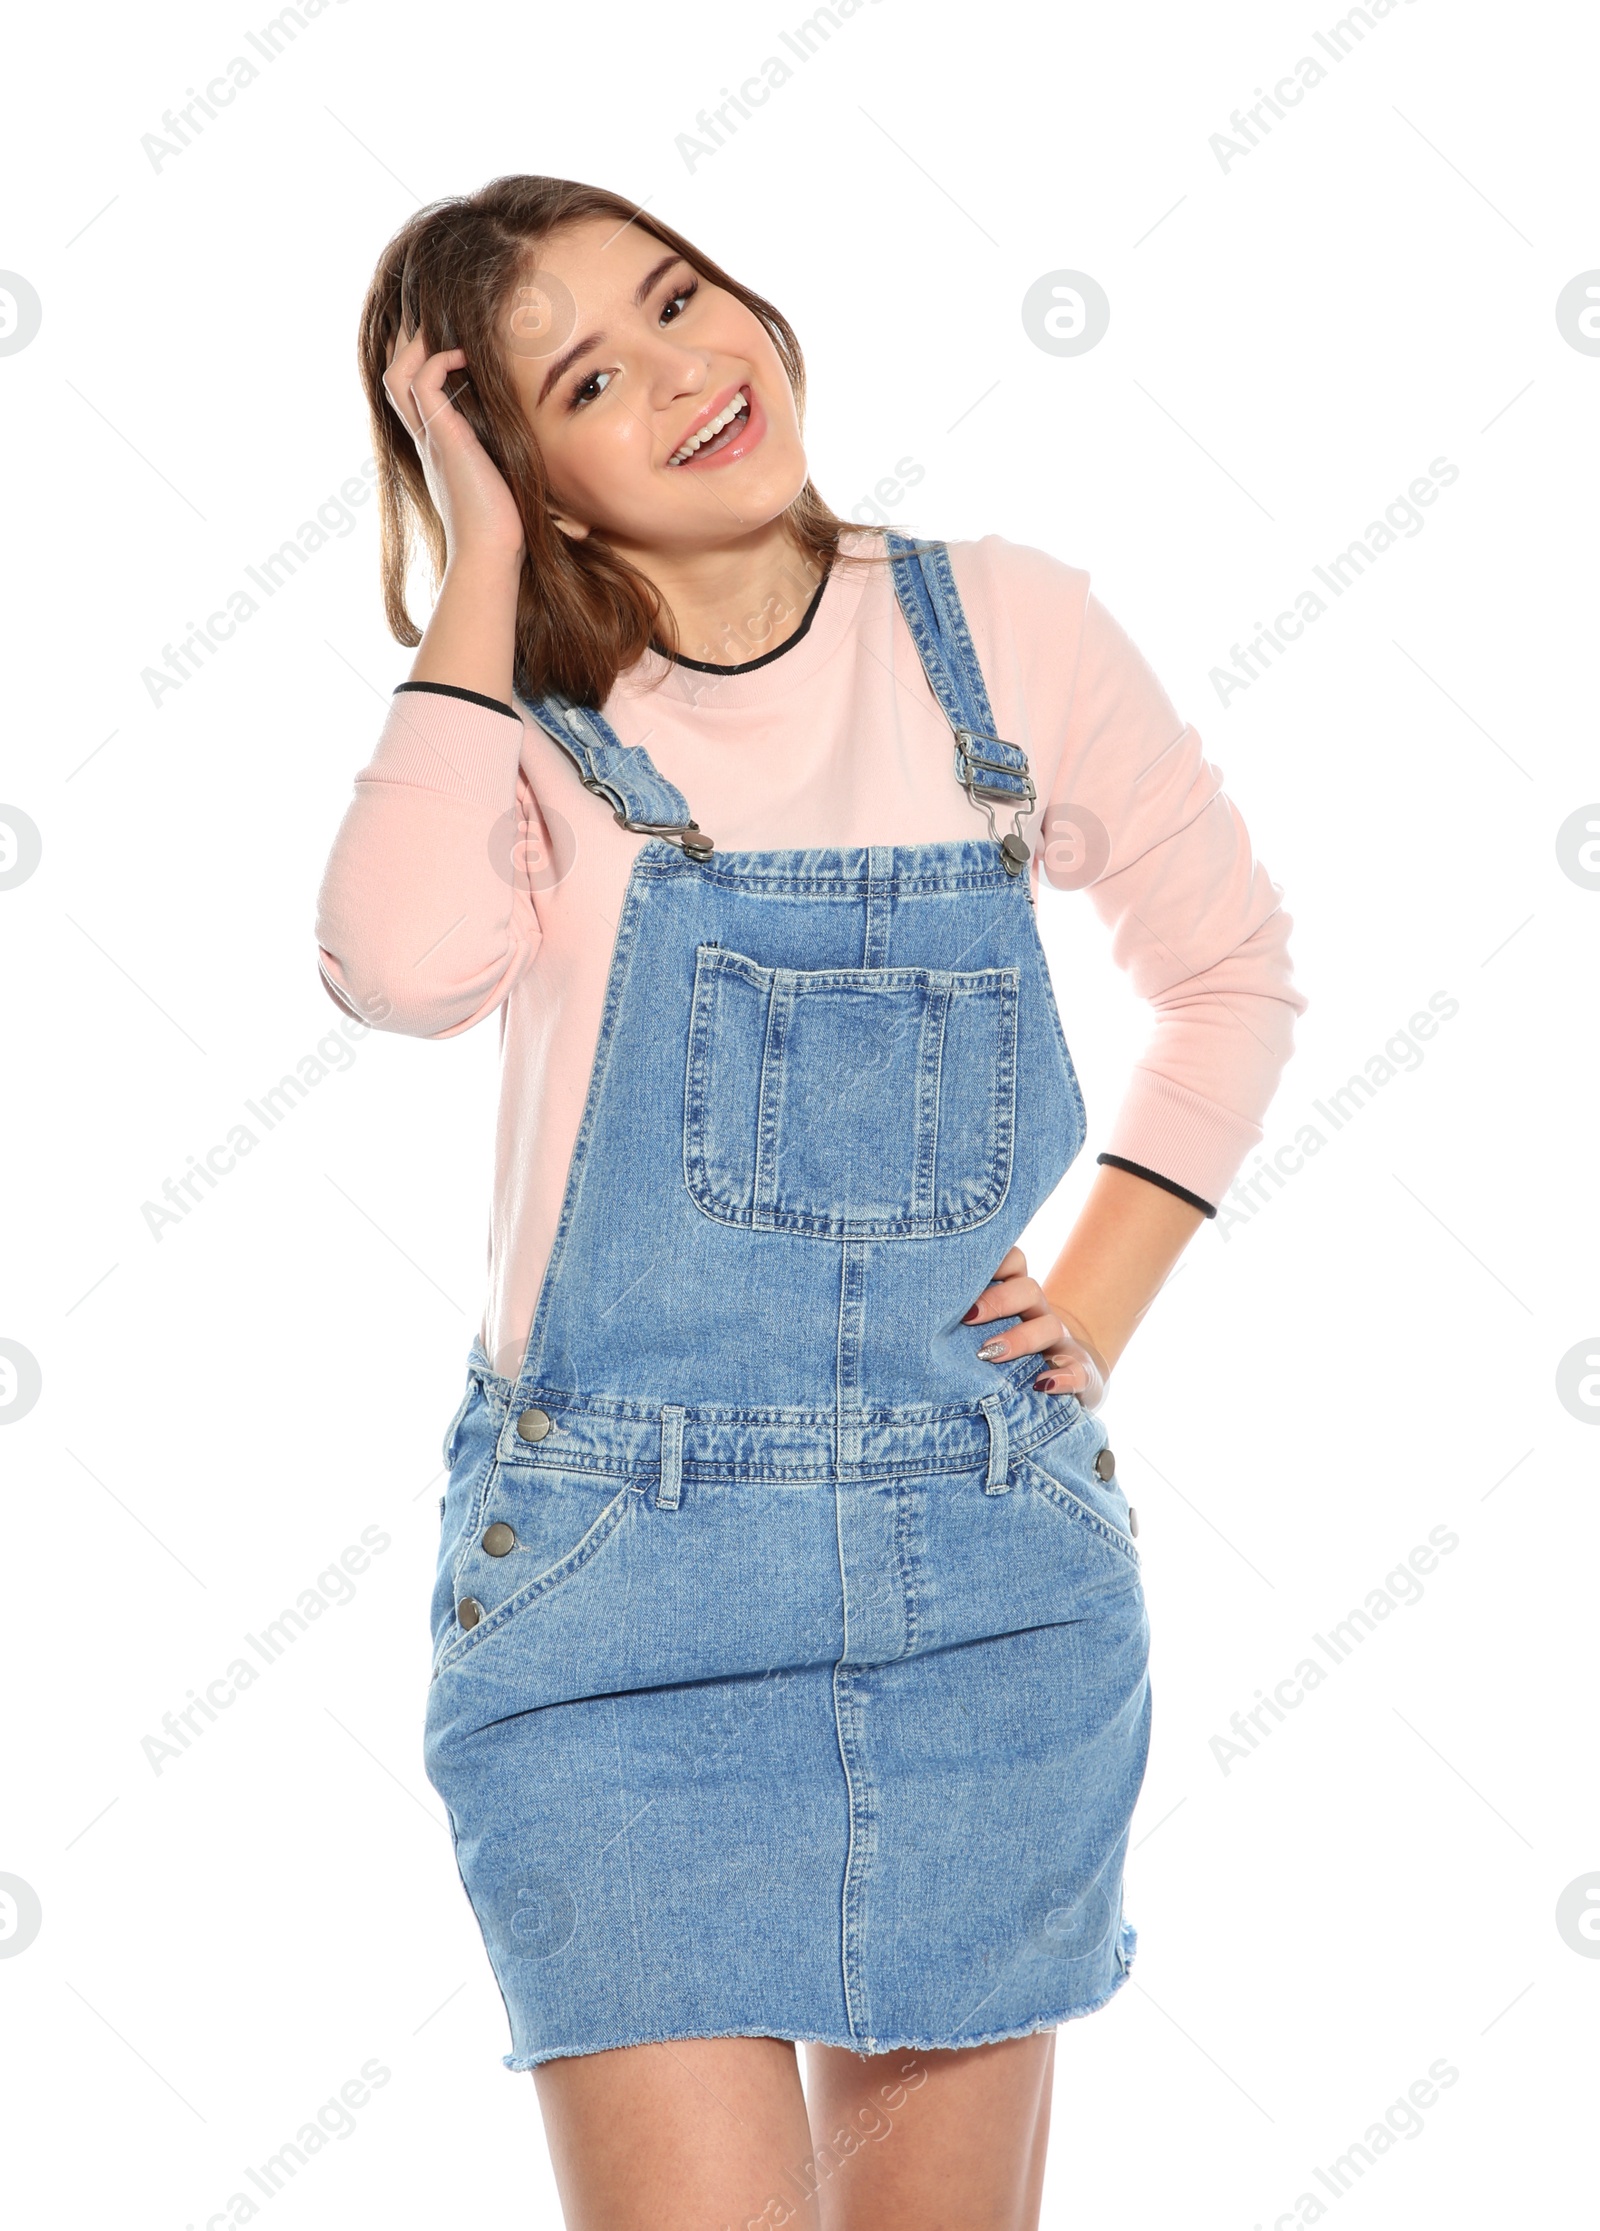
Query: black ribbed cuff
point(1167, 1184)
point(472, 696)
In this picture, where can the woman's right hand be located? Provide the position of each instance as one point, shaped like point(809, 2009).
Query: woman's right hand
point(469, 492)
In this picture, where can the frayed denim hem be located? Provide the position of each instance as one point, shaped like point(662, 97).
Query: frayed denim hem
point(1127, 1946)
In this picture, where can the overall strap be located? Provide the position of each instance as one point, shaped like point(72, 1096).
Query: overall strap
point(623, 774)
point(990, 771)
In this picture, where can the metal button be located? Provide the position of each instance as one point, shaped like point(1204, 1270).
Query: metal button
point(1014, 849)
point(533, 1425)
point(1104, 1465)
point(698, 845)
point(469, 1611)
point(499, 1539)
point(1133, 1520)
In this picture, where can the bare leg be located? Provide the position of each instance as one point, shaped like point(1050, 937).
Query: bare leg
point(686, 2136)
point(941, 2141)
point(1033, 2191)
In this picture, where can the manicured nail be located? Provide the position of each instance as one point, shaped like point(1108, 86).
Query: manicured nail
point(992, 1350)
point(971, 1313)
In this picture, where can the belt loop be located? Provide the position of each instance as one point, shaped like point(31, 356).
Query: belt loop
point(671, 1456)
point(999, 1475)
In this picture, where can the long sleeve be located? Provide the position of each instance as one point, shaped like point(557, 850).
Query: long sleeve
point(1195, 920)
point(425, 917)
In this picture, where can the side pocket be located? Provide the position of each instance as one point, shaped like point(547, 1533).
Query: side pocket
point(1061, 1472)
point(551, 1524)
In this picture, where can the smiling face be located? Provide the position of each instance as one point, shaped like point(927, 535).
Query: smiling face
point(660, 405)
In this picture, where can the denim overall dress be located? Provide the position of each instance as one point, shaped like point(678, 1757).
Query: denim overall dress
point(790, 1661)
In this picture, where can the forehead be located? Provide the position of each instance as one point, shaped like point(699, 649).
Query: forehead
point(603, 259)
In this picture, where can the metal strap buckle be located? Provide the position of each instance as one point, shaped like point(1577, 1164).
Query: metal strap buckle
point(687, 835)
point(1014, 845)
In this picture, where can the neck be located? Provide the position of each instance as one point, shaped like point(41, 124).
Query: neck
point(735, 602)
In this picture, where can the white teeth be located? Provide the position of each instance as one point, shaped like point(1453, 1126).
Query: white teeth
point(709, 432)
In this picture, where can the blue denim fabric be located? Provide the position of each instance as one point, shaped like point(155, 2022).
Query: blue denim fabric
point(812, 1699)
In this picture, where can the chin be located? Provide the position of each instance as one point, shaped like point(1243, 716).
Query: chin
point(759, 510)
point(769, 492)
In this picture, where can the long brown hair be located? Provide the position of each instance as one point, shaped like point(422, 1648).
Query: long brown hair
point(583, 613)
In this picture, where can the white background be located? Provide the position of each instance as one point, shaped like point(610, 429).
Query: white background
point(1369, 1355)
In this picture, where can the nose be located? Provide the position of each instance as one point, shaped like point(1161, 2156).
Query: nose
point(678, 375)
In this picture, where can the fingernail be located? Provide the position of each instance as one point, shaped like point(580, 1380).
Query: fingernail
point(992, 1349)
point(971, 1313)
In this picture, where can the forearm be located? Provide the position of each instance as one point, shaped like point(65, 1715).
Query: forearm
point(470, 638)
point(1119, 1255)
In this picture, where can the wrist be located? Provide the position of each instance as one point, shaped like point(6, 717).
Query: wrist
point(1103, 1350)
point(485, 565)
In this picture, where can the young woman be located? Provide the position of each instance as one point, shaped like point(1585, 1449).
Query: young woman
point(789, 1648)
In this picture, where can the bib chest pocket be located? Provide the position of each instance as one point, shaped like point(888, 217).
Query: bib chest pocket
point(849, 1103)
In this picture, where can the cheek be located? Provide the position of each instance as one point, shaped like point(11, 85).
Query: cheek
point(596, 459)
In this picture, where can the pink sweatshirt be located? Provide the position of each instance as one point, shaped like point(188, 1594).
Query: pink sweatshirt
point(473, 873)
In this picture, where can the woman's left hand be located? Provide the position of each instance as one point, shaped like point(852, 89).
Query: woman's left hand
point(1070, 1364)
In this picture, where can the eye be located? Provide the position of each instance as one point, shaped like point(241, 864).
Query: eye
point(677, 298)
point(587, 391)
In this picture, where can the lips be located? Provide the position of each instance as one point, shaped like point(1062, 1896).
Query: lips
point(716, 428)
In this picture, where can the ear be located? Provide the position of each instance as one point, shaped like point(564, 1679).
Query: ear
point(574, 529)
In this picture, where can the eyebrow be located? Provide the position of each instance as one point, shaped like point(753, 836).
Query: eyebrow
point(641, 294)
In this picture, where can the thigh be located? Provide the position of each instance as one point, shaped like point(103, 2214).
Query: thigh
point(915, 2141)
point(676, 2136)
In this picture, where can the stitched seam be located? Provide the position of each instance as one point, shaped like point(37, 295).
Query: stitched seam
point(962, 983)
point(696, 1175)
point(447, 1446)
point(929, 1082)
point(618, 975)
point(771, 1092)
point(660, 860)
point(939, 562)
